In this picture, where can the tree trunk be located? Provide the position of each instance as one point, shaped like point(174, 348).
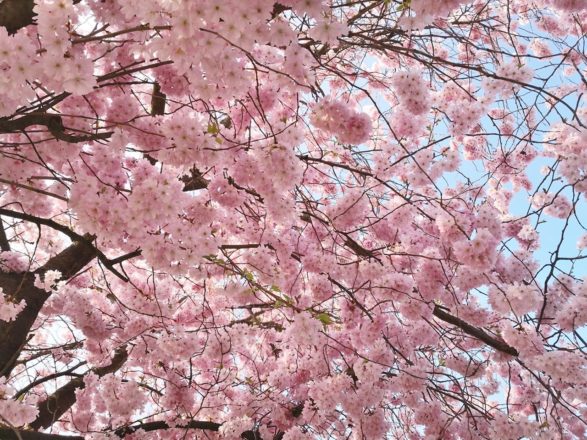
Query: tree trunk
point(20, 286)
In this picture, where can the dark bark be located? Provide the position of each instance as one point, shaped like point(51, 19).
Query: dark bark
point(160, 425)
point(4, 243)
point(54, 125)
point(52, 408)
point(278, 8)
point(194, 424)
point(11, 434)
point(158, 100)
point(72, 259)
point(194, 181)
point(16, 14)
point(476, 332)
point(20, 286)
point(86, 238)
point(254, 435)
point(57, 404)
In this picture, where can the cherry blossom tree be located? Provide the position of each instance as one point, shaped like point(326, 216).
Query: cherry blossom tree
point(304, 219)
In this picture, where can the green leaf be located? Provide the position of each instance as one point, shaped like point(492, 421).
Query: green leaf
point(324, 318)
point(212, 128)
point(405, 5)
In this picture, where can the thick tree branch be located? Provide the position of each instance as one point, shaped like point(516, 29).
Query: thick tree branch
point(476, 332)
point(4, 243)
point(158, 100)
point(159, 425)
point(72, 259)
point(20, 434)
point(47, 378)
point(52, 408)
point(194, 424)
point(20, 286)
point(16, 14)
point(296, 411)
point(54, 124)
point(11, 434)
point(86, 239)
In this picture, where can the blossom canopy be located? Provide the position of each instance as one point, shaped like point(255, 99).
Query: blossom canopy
point(303, 219)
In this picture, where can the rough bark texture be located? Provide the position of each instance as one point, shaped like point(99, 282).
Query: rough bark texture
point(20, 434)
point(20, 286)
point(161, 425)
point(53, 123)
point(158, 101)
point(52, 408)
point(16, 14)
point(476, 332)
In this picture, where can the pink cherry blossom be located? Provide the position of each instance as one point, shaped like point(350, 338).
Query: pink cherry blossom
point(8, 309)
point(302, 219)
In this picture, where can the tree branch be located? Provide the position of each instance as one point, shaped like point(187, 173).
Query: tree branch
point(158, 100)
point(47, 378)
point(86, 239)
point(476, 332)
point(4, 243)
point(21, 434)
point(52, 408)
point(16, 14)
point(21, 286)
point(194, 180)
point(194, 424)
point(54, 124)
point(278, 8)
point(159, 425)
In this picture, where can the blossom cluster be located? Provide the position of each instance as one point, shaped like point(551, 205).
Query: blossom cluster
point(412, 91)
point(338, 118)
point(480, 252)
point(8, 309)
point(296, 219)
